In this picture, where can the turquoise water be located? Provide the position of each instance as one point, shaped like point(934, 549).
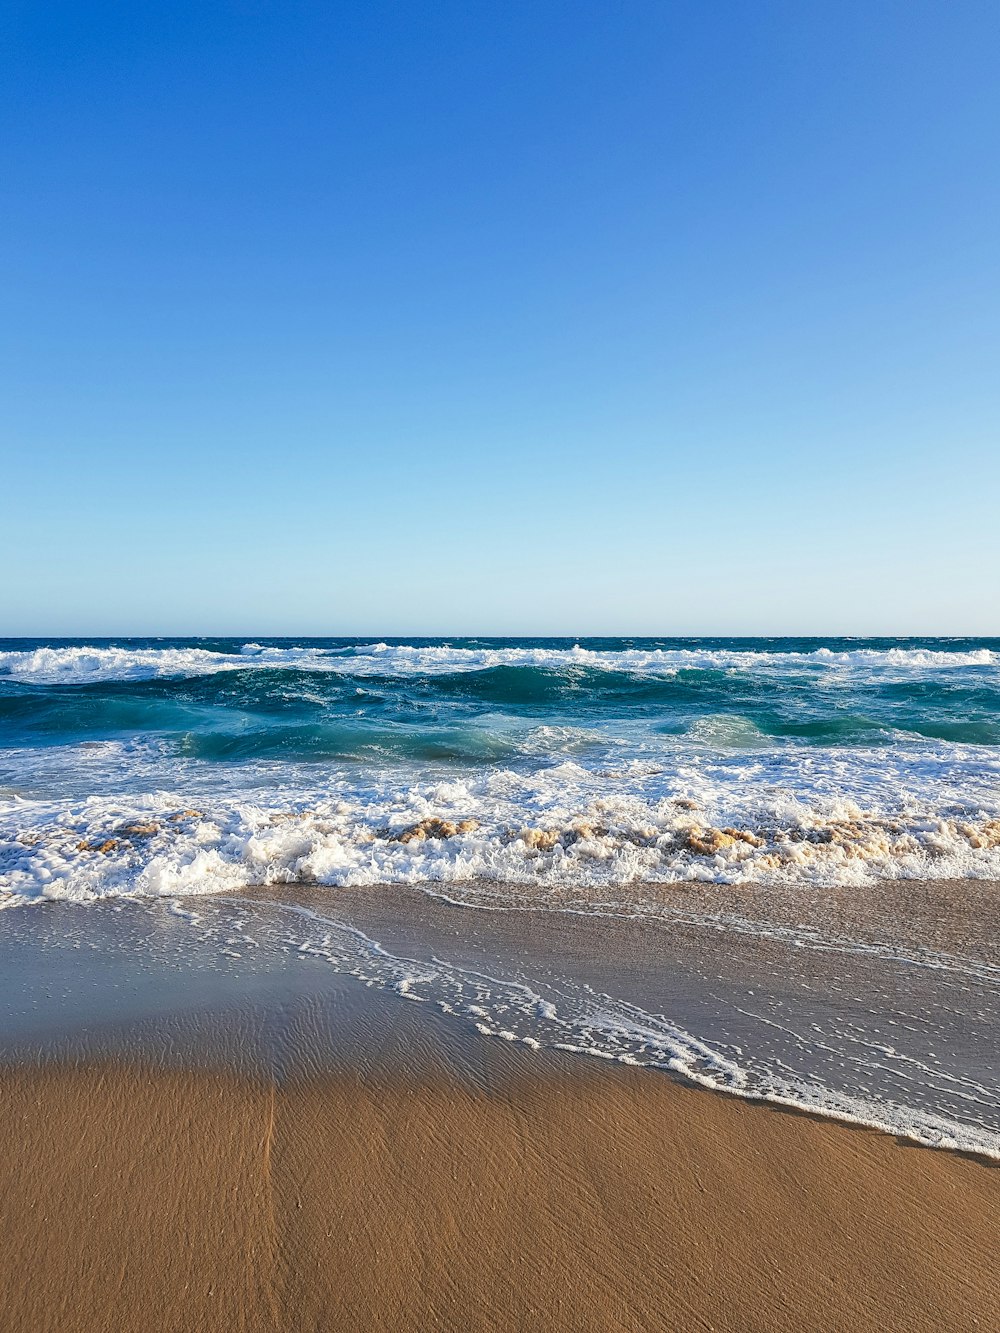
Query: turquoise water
point(334, 700)
point(607, 760)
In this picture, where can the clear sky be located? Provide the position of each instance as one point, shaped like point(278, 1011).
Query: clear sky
point(444, 316)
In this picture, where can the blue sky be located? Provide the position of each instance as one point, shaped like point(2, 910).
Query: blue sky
point(479, 317)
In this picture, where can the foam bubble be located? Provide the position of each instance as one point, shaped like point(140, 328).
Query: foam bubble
point(564, 825)
point(918, 1097)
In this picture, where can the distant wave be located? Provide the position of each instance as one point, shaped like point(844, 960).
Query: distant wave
point(87, 664)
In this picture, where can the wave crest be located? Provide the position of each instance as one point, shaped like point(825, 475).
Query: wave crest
point(80, 664)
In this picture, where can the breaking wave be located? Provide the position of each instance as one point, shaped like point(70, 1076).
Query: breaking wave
point(80, 664)
point(609, 762)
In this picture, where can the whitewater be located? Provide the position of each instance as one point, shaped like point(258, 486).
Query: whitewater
point(166, 767)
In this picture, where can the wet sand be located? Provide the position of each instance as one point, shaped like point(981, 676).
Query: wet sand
point(272, 1146)
point(548, 1192)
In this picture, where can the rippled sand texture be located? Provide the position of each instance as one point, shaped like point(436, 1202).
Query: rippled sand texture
point(541, 1194)
point(878, 1007)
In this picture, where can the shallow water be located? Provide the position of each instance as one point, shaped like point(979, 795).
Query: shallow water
point(849, 1025)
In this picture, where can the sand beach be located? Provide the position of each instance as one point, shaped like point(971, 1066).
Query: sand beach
point(545, 1193)
point(286, 1148)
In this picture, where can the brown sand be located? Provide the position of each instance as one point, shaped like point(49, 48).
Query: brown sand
point(550, 1193)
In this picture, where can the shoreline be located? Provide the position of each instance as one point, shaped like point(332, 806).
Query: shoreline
point(757, 997)
point(533, 1190)
point(250, 1138)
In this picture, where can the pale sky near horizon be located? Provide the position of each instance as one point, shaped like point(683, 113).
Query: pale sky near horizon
point(568, 318)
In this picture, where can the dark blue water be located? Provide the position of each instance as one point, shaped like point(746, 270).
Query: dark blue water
point(332, 700)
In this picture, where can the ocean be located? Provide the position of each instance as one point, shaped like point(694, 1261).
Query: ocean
point(182, 766)
point(602, 779)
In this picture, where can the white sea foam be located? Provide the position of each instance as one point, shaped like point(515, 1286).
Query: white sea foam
point(920, 1098)
point(81, 665)
point(733, 818)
